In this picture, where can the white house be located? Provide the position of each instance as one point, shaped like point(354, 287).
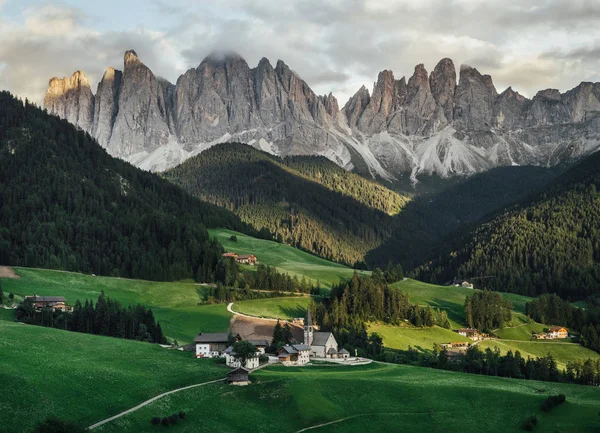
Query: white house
point(295, 354)
point(322, 344)
point(261, 345)
point(212, 345)
point(232, 361)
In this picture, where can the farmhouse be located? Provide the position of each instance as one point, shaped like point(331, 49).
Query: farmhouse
point(461, 345)
point(295, 354)
point(239, 377)
point(57, 303)
point(212, 345)
point(461, 283)
point(261, 345)
point(322, 344)
point(471, 333)
point(553, 332)
point(232, 360)
point(247, 259)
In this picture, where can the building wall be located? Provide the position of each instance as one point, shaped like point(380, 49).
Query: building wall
point(303, 357)
point(206, 350)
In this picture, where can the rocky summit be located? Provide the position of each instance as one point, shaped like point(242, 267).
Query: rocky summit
point(437, 123)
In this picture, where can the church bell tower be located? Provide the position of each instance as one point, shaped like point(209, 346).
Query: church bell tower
point(308, 329)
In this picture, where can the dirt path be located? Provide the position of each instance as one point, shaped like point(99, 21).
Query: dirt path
point(8, 272)
point(147, 402)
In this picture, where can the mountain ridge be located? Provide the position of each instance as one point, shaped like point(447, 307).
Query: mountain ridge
point(443, 123)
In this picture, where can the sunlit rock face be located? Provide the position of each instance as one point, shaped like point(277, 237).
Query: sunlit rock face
point(437, 123)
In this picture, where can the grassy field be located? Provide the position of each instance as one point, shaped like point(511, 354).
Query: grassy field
point(451, 299)
point(562, 352)
point(522, 332)
point(174, 304)
point(285, 258)
point(371, 398)
point(81, 377)
point(275, 308)
point(396, 337)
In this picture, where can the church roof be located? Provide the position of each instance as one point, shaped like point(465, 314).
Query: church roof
point(320, 338)
point(308, 321)
point(344, 352)
point(331, 350)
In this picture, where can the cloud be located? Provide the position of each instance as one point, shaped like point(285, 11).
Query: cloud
point(335, 45)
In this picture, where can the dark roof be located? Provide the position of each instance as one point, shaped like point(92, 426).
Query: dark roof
point(300, 347)
point(259, 342)
point(556, 328)
point(332, 350)
point(245, 256)
point(320, 338)
point(466, 330)
point(238, 370)
point(49, 299)
point(289, 349)
point(308, 321)
point(344, 351)
point(206, 337)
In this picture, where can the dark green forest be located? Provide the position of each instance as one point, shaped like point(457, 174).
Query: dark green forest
point(433, 220)
point(307, 202)
point(549, 244)
point(66, 204)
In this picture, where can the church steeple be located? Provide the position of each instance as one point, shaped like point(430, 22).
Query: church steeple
point(308, 329)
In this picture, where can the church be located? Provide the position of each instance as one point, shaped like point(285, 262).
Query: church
point(322, 344)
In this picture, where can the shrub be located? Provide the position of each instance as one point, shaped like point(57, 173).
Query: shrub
point(155, 420)
point(165, 421)
point(233, 238)
point(56, 425)
point(173, 419)
point(553, 400)
point(530, 423)
point(182, 414)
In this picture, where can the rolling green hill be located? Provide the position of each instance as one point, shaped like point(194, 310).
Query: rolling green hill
point(550, 243)
point(175, 305)
point(66, 204)
point(274, 308)
point(308, 202)
point(84, 378)
point(285, 258)
point(368, 398)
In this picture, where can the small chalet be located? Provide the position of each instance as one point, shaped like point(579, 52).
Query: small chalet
point(212, 345)
point(461, 345)
point(296, 354)
point(57, 303)
point(234, 256)
point(553, 333)
point(462, 283)
point(238, 376)
point(247, 259)
point(471, 333)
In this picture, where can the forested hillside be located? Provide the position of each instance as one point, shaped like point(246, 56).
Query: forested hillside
point(66, 204)
point(549, 244)
point(430, 221)
point(308, 202)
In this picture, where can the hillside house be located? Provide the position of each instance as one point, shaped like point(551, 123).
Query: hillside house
point(238, 377)
point(555, 332)
point(462, 283)
point(57, 303)
point(232, 361)
point(471, 333)
point(246, 259)
point(295, 354)
point(233, 256)
point(322, 344)
point(212, 345)
point(261, 345)
point(460, 345)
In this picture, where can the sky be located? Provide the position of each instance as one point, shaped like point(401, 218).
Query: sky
point(335, 45)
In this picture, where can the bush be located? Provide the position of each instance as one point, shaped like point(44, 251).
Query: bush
point(233, 238)
point(530, 423)
point(553, 400)
point(182, 415)
point(173, 419)
point(55, 425)
point(165, 421)
point(155, 420)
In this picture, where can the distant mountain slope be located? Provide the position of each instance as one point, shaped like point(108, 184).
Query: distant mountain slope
point(426, 222)
point(66, 204)
point(549, 244)
point(308, 202)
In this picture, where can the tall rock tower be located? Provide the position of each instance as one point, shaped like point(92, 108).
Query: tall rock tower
point(308, 329)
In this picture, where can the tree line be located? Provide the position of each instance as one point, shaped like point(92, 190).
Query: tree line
point(551, 308)
point(487, 310)
point(66, 204)
point(107, 317)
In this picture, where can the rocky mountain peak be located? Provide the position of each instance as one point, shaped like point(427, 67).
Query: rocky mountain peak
point(72, 99)
point(443, 86)
point(130, 57)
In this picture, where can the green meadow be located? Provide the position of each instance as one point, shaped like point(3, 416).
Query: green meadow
point(274, 308)
point(375, 397)
point(175, 304)
point(521, 332)
point(423, 339)
point(285, 258)
point(562, 352)
point(81, 377)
